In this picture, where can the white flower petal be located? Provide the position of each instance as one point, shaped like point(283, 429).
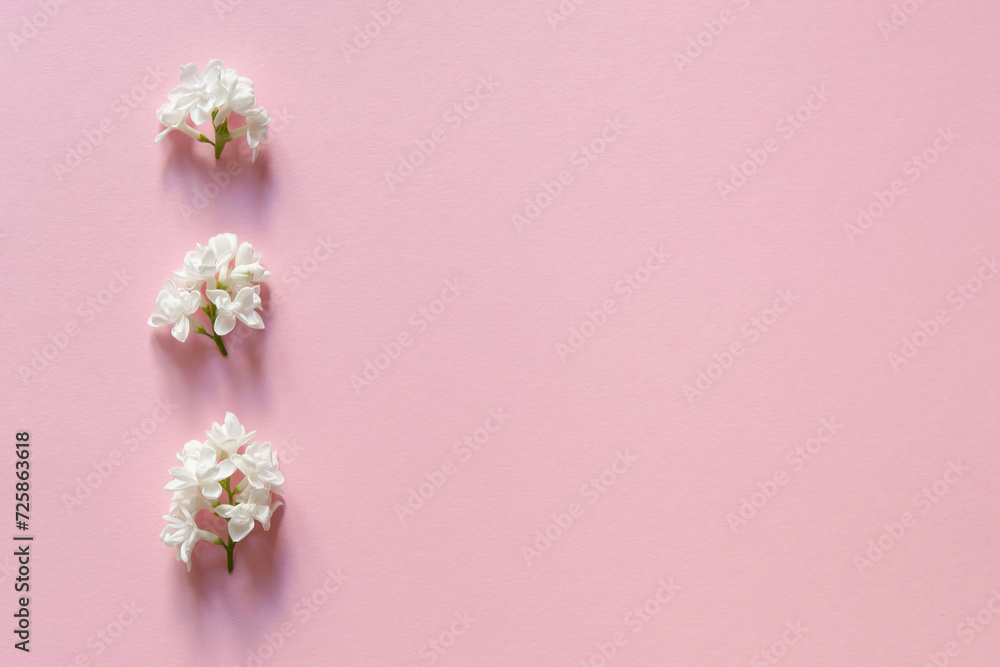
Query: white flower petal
point(191, 76)
point(181, 329)
point(240, 527)
point(224, 323)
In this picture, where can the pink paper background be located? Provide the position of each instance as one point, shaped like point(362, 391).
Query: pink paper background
point(351, 457)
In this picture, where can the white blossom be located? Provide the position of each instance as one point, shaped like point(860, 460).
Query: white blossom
point(229, 436)
point(224, 246)
point(182, 532)
point(199, 267)
point(256, 129)
point(205, 473)
point(173, 118)
point(222, 278)
point(247, 268)
point(191, 499)
point(242, 307)
point(198, 91)
point(260, 466)
point(202, 478)
point(214, 94)
point(174, 306)
point(191, 452)
point(242, 515)
point(235, 93)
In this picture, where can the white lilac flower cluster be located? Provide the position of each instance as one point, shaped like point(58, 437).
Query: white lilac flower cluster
point(222, 279)
point(207, 480)
point(213, 95)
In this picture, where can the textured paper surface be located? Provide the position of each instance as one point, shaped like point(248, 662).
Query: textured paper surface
point(777, 506)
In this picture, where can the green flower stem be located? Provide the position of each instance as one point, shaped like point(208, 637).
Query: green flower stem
point(222, 346)
point(229, 551)
point(231, 546)
point(212, 312)
point(222, 136)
